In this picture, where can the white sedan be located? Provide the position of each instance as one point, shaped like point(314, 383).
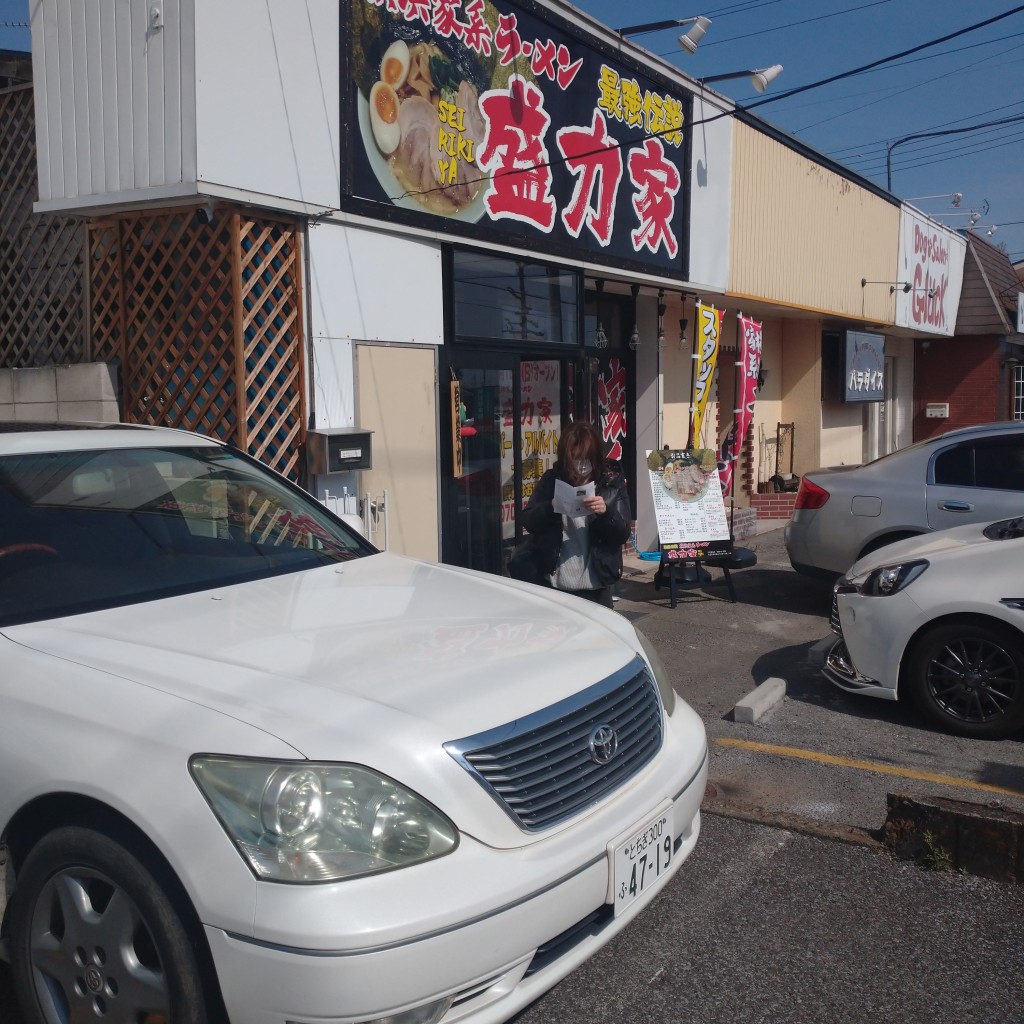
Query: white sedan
point(938, 620)
point(254, 770)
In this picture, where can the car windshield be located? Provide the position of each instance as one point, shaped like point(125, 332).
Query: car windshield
point(96, 529)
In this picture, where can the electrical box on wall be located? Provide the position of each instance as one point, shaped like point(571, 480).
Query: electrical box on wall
point(338, 451)
point(937, 411)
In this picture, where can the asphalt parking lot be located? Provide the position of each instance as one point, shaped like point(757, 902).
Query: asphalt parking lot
point(785, 913)
point(819, 753)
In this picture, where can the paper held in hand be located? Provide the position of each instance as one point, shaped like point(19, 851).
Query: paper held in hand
point(568, 500)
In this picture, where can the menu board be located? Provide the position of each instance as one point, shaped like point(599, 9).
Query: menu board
point(688, 504)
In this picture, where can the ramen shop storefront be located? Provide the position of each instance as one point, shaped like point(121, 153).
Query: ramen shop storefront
point(545, 159)
point(521, 361)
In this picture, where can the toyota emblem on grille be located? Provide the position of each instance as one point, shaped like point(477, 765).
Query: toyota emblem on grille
point(603, 744)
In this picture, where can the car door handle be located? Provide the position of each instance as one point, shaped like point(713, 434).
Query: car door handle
point(956, 506)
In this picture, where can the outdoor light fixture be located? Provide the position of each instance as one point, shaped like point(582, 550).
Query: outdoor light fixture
point(693, 35)
point(973, 216)
point(601, 340)
point(634, 338)
point(902, 286)
point(893, 285)
point(688, 40)
point(955, 198)
point(759, 79)
point(992, 230)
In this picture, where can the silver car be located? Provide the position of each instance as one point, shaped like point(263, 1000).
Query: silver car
point(971, 475)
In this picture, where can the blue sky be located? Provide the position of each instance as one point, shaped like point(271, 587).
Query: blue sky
point(974, 78)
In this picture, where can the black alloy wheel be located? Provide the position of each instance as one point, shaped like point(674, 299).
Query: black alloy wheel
point(96, 937)
point(968, 679)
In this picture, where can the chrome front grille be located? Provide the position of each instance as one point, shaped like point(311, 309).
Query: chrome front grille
point(543, 768)
point(833, 617)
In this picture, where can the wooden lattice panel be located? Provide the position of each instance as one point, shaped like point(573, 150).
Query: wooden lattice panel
point(271, 334)
point(41, 274)
point(107, 307)
point(205, 322)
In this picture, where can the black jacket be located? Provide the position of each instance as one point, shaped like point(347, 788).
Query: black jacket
point(607, 532)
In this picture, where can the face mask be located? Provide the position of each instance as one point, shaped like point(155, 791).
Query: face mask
point(581, 467)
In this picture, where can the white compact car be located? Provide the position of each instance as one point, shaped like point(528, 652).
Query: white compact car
point(939, 620)
point(254, 770)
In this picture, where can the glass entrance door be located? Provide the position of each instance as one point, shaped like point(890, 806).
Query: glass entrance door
point(513, 409)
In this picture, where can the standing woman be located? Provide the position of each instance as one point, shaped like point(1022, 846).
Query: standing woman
point(581, 555)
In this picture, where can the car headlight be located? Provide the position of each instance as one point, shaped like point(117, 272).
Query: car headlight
point(668, 695)
point(889, 579)
point(307, 821)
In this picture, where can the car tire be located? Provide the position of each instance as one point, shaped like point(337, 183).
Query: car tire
point(95, 936)
point(968, 679)
point(880, 542)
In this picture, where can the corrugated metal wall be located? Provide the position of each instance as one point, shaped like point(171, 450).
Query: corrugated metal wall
point(805, 236)
point(111, 95)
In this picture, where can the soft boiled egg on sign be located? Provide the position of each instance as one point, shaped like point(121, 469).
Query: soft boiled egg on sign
point(384, 117)
point(394, 65)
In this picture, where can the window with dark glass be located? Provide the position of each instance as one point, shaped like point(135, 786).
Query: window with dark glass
point(996, 464)
point(497, 298)
point(955, 467)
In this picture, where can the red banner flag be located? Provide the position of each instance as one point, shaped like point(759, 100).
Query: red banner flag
point(750, 369)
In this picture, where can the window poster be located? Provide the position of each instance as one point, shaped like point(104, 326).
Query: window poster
point(688, 504)
point(505, 120)
point(539, 419)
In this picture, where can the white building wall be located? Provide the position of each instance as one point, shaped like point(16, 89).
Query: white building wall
point(115, 98)
point(710, 197)
point(366, 286)
point(268, 98)
point(154, 101)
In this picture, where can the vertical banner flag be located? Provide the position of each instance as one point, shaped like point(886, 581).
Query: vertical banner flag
point(749, 370)
point(709, 329)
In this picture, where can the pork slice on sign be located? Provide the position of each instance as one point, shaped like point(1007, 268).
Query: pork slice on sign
point(417, 120)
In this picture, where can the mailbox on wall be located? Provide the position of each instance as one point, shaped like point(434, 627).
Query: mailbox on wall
point(338, 451)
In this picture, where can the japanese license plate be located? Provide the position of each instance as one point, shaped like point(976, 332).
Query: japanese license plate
point(641, 858)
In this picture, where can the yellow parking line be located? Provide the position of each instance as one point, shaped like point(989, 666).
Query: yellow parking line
point(869, 766)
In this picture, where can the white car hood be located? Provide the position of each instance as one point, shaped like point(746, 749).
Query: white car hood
point(344, 662)
point(967, 541)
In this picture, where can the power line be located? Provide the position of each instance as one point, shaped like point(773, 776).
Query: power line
point(890, 91)
point(947, 131)
point(792, 24)
point(884, 60)
point(944, 124)
point(921, 148)
point(751, 106)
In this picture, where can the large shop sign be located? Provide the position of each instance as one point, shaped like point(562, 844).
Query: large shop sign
point(931, 267)
point(498, 119)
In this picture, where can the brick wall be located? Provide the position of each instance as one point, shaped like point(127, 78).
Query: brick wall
point(773, 506)
point(963, 372)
